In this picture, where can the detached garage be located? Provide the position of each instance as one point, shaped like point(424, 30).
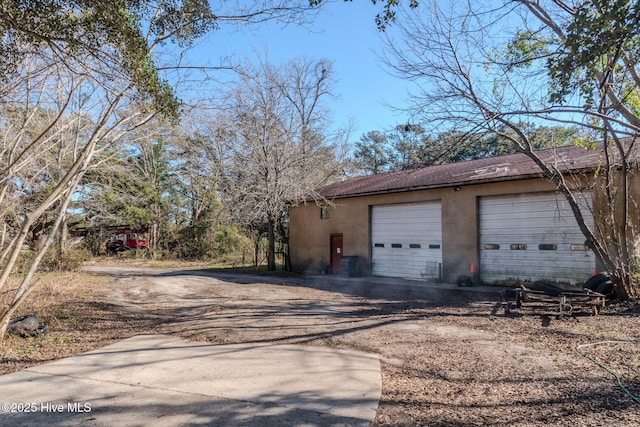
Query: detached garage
point(528, 237)
point(407, 240)
point(496, 219)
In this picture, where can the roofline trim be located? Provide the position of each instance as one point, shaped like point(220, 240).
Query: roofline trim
point(454, 184)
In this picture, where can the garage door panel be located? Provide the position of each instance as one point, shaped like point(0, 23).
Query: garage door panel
point(532, 220)
point(417, 229)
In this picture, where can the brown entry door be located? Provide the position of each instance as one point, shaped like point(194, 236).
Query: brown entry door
point(336, 253)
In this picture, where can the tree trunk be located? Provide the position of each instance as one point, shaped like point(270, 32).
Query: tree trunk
point(154, 237)
point(287, 258)
point(271, 252)
point(256, 251)
point(64, 236)
point(26, 286)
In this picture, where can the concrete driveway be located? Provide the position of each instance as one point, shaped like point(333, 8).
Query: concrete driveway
point(159, 380)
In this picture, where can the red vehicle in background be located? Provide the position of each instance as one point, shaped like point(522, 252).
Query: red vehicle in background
point(126, 239)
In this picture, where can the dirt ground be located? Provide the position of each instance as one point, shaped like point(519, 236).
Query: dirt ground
point(449, 356)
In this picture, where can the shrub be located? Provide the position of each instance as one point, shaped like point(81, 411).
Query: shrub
point(69, 260)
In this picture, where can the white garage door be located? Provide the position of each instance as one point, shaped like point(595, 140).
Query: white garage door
point(533, 237)
point(406, 240)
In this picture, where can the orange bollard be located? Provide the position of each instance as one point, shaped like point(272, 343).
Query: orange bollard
point(473, 272)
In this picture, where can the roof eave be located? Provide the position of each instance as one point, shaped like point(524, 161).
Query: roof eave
point(450, 184)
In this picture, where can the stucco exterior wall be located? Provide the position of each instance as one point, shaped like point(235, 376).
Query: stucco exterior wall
point(604, 210)
point(309, 235)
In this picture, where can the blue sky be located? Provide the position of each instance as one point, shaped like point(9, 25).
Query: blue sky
point(342, 32)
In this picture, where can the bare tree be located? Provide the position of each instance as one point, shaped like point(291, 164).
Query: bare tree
point(75, 81)
point(78, 116)
point(484, 68)
point(279, 149)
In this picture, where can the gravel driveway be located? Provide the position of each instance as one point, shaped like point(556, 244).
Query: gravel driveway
point(450, 356)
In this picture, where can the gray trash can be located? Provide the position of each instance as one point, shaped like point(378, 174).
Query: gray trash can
point(349, 266)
